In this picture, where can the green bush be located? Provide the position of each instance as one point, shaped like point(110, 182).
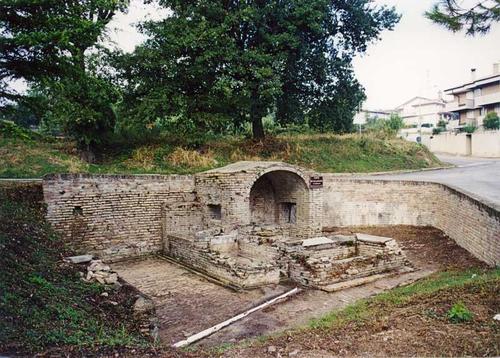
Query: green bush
point(9, 129)
point(391, 125)
point(491, 121)
point(437, 130)
point(459, 313)
point(441, 124)
point(470, 128)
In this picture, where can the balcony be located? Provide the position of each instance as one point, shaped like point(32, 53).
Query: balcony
point(488, 99)
point(455, 106)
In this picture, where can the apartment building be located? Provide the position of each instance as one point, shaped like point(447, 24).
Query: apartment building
point(473, 100)
point(422, 111)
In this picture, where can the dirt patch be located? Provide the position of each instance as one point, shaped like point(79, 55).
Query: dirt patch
point(419, 327)
point(424, 246)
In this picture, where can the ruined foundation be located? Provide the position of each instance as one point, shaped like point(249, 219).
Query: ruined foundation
point(257, 223)
point(252, 226)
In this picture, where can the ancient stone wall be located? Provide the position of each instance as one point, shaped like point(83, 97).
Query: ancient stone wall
point(230, 267)
point(473, 224)
point(243, 189)
point(116, 216)
point(119, 216)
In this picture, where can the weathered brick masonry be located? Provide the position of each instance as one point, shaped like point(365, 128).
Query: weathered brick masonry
point(114, 216)
point(471, 223)
point(119, 216)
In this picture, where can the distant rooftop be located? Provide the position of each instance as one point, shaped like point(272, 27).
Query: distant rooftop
point(473, 83)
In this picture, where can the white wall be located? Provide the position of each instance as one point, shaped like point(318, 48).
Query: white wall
point(486, 144)
point(482, 144)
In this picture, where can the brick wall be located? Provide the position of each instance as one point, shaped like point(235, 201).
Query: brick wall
point(472, 224)
point(114, 216)
point(118, 216)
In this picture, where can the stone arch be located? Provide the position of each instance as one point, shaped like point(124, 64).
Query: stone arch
point(279, 196)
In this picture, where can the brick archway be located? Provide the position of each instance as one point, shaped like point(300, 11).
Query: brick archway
point(279, 197)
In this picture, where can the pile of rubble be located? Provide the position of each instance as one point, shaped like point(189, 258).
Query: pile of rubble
point(100, 272)
point(97, 271)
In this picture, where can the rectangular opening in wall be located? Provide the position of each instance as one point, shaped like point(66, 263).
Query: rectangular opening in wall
point(77, 211)
point(289, 212)
point(215, 211)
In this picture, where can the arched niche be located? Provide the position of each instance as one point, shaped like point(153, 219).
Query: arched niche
point(279, 197)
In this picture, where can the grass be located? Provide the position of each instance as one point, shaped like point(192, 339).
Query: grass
point(25, 158)
point(432, 297)
point(397, 297)
point(43, 302)
point(21, 158)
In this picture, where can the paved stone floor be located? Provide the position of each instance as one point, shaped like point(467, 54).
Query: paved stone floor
point(187, 303)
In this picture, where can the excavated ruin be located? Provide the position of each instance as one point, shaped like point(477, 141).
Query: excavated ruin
point(253, 226)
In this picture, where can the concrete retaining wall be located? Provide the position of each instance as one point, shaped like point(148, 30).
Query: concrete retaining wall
point(486, 144)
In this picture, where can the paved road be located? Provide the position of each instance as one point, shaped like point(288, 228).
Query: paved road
point(479, 176)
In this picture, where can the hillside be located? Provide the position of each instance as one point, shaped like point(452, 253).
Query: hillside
point(45, 306)
point(32, 156)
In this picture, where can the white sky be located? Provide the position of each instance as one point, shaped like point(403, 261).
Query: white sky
point(417, 58)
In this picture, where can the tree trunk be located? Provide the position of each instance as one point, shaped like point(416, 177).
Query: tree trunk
point(256, 117)
point(257, 127)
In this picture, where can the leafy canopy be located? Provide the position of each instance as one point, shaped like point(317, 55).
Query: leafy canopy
point(47, 43)
point(491, 121)
point(217, 64)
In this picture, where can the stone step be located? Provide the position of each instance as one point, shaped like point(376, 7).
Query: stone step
point(355, 282)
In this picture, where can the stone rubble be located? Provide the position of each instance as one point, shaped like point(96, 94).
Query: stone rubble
point(97, 271)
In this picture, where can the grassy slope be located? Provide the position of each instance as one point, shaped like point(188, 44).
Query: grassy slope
point(411, 320)
point(20, 158)
point(43, 302)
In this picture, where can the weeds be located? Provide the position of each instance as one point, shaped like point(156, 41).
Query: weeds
point(44, 303)
point(322, 152)
point(459, 313)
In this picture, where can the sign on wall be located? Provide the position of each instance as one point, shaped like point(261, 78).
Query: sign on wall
point(316, 182)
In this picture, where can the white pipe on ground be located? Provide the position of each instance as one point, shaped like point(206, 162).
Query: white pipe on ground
point(218, 327)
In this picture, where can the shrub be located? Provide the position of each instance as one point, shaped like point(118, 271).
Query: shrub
point(441, 123)
point(459, 313)
point(9, 129)
point(470, 128)
point(391, 125)
point(437, 130)
point(491, 121)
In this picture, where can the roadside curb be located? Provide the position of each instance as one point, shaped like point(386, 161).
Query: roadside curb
point(403, 171)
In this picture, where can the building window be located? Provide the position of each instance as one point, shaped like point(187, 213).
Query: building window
point(289, 212)
point(215, 211)
point(77, 211)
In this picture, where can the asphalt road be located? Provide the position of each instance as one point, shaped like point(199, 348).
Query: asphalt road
point(479, 176)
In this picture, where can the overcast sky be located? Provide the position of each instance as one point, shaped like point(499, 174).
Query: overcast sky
point(417, 58)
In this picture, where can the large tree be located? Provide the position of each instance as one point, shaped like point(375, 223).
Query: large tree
point(47, 44)
point(215, 61)
point(474, 19)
